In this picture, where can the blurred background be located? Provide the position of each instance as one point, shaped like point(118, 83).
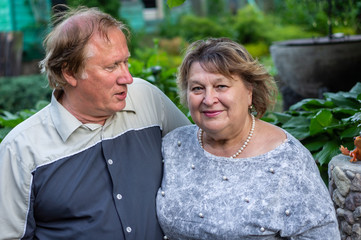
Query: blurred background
point(161, 33)
point(311, 47)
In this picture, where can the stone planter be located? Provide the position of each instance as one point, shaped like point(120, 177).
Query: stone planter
point(345, 190)
point(309, 67)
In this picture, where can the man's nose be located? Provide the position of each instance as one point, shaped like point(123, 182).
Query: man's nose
point(124, 76)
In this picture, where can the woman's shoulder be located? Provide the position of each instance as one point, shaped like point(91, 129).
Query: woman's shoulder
point(183, 132)
point(267, 137)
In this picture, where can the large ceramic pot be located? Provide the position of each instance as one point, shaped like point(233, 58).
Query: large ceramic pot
point(309, 67)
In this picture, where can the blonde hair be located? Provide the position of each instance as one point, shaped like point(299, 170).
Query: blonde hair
point(228, 58)
point(66, 45)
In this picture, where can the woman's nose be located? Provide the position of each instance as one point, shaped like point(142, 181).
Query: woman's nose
point(210, 97)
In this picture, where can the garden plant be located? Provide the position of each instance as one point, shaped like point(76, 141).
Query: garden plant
point(322, 125)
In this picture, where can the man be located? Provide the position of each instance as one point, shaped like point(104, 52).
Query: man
point(87, 166)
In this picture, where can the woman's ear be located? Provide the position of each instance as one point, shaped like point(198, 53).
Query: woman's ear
point(70, 79)
point(250, 95)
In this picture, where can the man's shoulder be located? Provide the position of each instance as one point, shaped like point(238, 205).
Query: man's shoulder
point(141, 83)
point(30, 127)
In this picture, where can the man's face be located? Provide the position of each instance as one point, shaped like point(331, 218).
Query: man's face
point(102, 88)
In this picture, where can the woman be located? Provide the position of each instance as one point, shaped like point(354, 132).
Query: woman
point(232, 175)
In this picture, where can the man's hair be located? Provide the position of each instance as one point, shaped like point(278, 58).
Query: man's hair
point(65, 45)
point(228, 58)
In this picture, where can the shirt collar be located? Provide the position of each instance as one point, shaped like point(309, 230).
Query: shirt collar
point(65, 123)
point(129, 106)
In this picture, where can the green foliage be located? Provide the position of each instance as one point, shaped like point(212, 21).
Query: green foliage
point(308, 13)
point(250, 25)
point(313, 15)
point(286, 32)
point(194, 28)
point(23, 92)
point(216, 8)
point(258, 49)
point(175, 3)
point(253, 26)
point(108, 6)
point(158, 68)
point(322, 125)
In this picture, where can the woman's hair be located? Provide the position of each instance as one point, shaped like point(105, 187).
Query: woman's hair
point(228, 58)
point(66, 45)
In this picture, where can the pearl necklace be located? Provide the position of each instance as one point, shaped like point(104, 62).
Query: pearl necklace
point(250, 134)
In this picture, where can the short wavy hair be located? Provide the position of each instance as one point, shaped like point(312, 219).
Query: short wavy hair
point(66, 45)
point(228, 58)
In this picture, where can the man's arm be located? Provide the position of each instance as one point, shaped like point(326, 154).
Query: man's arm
point(172, 117)
point(15, 185)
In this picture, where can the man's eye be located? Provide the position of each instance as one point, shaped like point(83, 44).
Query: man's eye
point(111, 68)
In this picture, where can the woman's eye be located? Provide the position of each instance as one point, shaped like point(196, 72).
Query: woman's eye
point(221, 86)
point(196, 89)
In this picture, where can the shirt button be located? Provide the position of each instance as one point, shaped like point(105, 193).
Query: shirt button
point(129, 229)
point(119, 196)
point(165, 238)
point(110, 161)
point(288, 212)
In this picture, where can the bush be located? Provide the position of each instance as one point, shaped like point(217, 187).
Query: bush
point(257, 50)
point(23, 92)
point(108, 6)
point(159, 68)
point(322, 125)
point(194, 28)
point(287, 32)
point(251, 25)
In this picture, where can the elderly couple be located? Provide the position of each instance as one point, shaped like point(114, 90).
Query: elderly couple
point(111, 157)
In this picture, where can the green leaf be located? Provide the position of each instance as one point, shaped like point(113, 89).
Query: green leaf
point(356, 88)
point(321, 120)
point(174, 3)
point(4, 132)
point(356, 117)
point(315, 143)
point(297, 122)
point(344, 99)
point(299, 133)
point(282, 117)
point(344, 111)
point(10, 122)
point(310, 104)
point(329, 150)
point(350, 132)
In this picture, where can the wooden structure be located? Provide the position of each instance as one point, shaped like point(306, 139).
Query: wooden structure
point(10, 53)
point(22, 22)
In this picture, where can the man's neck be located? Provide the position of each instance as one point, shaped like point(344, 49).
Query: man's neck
point(64, 100)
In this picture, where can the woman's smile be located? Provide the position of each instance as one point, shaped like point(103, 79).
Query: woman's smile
point(211, 114)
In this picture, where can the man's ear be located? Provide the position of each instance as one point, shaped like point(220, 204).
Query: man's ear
point(71, 80)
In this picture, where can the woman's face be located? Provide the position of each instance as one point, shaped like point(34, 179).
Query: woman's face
point(217, 104)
